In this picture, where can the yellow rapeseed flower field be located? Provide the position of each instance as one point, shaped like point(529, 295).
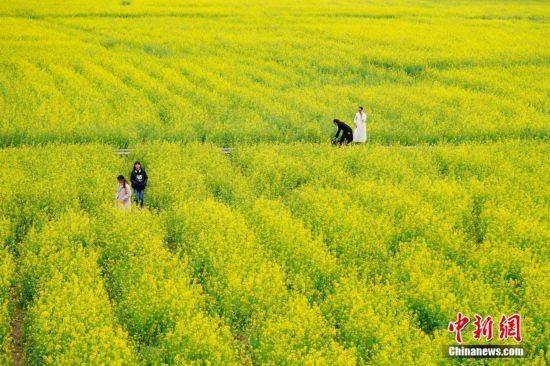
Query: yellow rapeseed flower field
point(272, 71)
point(287, 251)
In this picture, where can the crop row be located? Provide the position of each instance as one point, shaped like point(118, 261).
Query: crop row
point(68, 317)
point(248, 288)
point(154, 297)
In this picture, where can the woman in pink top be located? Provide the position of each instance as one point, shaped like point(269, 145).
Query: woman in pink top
point(124, 194)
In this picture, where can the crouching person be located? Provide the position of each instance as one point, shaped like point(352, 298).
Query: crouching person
point(347, 133)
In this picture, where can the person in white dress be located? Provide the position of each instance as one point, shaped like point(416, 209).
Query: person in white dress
point(360, 122)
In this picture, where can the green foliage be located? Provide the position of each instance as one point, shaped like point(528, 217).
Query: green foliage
point(7, 276)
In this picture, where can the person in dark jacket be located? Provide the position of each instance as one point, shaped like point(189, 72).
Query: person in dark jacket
point(347, 133)
point(138, 177)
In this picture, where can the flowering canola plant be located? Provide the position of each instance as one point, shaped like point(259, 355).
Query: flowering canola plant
point(287, 251)
point(339, 261)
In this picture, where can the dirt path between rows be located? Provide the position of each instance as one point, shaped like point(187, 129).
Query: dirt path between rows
point(17, 325)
